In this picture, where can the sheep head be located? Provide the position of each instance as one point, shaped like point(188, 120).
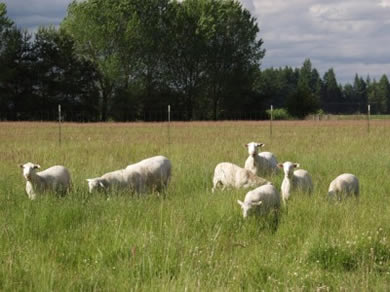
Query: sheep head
point(288, 168)
point(95, 184)
point(29, 169)
point(253, 148)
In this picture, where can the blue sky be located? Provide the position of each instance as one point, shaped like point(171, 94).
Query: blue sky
point(350, 36)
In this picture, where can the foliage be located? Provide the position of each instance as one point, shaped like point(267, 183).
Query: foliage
point(62, 77)
point(127, 59)
point(302, 102)
point(279, 114)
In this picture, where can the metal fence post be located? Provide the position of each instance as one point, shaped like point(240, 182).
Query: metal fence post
point(59, 124)
point(368, 117)
point(270, 121)
point(169, 124)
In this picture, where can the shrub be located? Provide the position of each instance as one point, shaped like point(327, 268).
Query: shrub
point(279, 114)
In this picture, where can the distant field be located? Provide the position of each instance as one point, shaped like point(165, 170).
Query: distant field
point(193, 240)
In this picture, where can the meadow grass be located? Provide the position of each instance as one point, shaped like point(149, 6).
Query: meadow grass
point(191, 239)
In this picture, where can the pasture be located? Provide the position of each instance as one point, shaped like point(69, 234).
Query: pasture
point(191, 239)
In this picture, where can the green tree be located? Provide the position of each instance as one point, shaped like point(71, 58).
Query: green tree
point(98, 26)
point(233, 51)
point(185, 57)
point(302, 101)
point(61, 76)
point(360, 92)
point(16, 75)
point(379, 95)
point(331, 97)
point(384, 93)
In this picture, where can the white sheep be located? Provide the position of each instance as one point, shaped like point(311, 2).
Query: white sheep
point(266, 197)
point(152, 173)
point(117, 180)
point(299, 179)
point(156, 171)
point(261, 164)
point(346, 184)
point(56, 178)
point(228, 174)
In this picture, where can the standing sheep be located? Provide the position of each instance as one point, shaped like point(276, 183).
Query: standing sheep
point(55, 178)
point(263, 163)
point(156, 171)
point(152, 173)
point(294, 180)
point(228, 174)
point(266, 197)
point(346, 184)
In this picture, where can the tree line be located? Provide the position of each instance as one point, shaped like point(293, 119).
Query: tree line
point(111, 58)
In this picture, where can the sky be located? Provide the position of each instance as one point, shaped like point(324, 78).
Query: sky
point(350, 36)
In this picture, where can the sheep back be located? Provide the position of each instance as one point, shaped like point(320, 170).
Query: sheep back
point(56, 178)
point(345, 183)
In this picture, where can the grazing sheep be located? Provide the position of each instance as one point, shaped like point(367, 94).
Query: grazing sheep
point(266, 197)
point(261, 164)
point(346, 184)
point(156, 171)
point(117, 179)
point(230, 175)
point(294, 180)
point(152, 173)
point(55, 178)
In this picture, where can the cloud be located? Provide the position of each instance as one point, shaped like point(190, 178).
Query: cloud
point(349, 35)
point(30, 14)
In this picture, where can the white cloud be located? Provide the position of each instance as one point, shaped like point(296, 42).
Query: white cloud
point(347, 35)
point(384, 3)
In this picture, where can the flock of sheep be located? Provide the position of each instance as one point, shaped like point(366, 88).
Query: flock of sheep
point(265, 195)
point(153, 174)
point(150, 174)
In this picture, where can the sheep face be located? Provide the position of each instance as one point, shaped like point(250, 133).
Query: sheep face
point(95, 184)
point(288, 168)
point(29, 169)
point(253, 148)
point(246, 207)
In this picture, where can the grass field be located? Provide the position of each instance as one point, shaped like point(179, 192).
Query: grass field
point(191, 239)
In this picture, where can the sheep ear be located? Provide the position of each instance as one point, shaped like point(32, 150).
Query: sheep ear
point(280, 165)
point(296, 165)
point(260, 145)
point(21, 165)
point(246, 145)
point(101, 184)
point(240, 203)
point(89, 179)
point(37, 166)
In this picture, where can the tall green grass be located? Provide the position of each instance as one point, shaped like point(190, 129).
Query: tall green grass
point(192, 239)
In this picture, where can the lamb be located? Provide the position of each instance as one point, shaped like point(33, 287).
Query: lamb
point(228, 174)
point(266, 197)
point(152, 173)
point(56, 178)
point(294, 180)
point(261, 164)
point(346, 184)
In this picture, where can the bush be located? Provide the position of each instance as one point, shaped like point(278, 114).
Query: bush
point(279, 114)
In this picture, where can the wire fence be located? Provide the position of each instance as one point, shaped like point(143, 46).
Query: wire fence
point(170, 120)
point(355, 112)
point(162, 115)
